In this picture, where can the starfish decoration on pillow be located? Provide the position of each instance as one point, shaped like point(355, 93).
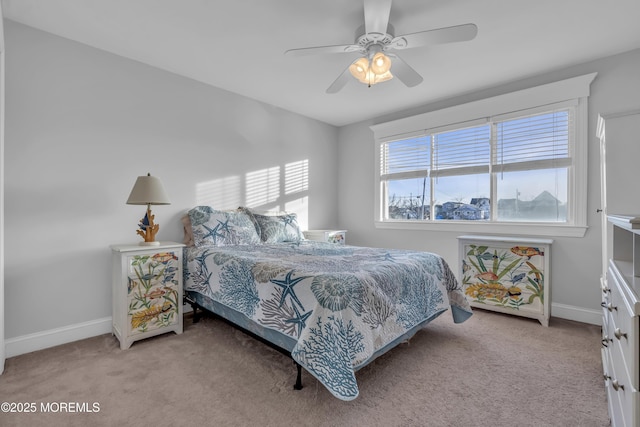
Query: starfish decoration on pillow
point(224, 226)
point(213, 232)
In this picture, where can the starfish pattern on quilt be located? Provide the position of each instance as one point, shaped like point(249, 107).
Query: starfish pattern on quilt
point(287, 287)
point(300, 320)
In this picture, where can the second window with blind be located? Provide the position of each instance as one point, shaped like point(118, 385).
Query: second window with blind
point(508, 168)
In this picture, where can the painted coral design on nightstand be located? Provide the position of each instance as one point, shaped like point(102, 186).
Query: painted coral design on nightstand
point(152, 291)
point(506, 277)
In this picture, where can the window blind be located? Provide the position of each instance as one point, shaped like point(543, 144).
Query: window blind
point(534, 142)
point(405, 158)
point(462, 151)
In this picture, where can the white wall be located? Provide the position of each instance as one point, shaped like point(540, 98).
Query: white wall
point(81, 125)
point(576, 264)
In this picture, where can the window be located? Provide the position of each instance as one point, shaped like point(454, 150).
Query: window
point(521, 167)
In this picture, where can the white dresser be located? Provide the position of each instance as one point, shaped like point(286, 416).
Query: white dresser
point(620, 313)
point(619, 136)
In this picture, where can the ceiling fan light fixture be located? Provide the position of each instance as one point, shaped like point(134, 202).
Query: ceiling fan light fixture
point(379, 78)
point(359, 69)
point(380, 63)
point(365, 71)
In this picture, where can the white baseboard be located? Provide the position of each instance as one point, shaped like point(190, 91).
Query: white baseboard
point(579, 314)
point(53, 337)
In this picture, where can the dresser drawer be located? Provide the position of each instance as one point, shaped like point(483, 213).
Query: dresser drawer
point(622, 406)
point(622, 328)
point(613, 397)
point(623, 397)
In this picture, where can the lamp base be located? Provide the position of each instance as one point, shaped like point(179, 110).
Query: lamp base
point(149, 243)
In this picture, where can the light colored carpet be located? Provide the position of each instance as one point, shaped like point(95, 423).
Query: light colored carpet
point(493, 370)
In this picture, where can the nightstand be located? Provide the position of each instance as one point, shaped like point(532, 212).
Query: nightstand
point(146, 291)
point(332, 236)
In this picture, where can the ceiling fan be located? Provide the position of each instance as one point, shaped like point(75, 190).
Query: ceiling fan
point(374, 41)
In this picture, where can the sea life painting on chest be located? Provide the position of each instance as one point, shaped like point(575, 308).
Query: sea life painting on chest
point(506, 274)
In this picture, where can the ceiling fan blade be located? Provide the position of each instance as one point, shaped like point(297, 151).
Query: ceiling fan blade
point(376, 16)
point(457, 33)
point(340, 81)
point(345, 48)
point(404, 72)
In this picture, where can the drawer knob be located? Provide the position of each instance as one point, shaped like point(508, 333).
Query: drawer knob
point(616, 386)
point(619, 334)
point(611, 307)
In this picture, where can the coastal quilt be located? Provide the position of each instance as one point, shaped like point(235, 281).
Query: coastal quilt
point(344, 305)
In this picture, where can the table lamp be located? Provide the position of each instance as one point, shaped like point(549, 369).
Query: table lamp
point(148, 190)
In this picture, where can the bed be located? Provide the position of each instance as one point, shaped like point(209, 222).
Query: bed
point(333, 308)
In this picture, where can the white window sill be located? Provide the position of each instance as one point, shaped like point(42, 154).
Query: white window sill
point(526, 228)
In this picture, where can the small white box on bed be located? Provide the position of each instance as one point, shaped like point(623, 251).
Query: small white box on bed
point(331, 236)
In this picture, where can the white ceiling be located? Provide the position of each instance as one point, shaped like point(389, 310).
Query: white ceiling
point(238, 45)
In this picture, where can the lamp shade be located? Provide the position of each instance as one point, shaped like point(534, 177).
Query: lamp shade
point(148, 190)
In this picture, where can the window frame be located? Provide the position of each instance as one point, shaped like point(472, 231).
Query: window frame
point(570, 91)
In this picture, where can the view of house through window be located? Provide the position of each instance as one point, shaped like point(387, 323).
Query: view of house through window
point(506, 169)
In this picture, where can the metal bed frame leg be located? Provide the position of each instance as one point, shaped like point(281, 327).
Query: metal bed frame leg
point(298, 384)
point(194, 305)
point(196, 319)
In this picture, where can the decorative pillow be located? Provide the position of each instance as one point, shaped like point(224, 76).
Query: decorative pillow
point(252, 217)
point(219, 228)
point(188, 233)
point(278, 228)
